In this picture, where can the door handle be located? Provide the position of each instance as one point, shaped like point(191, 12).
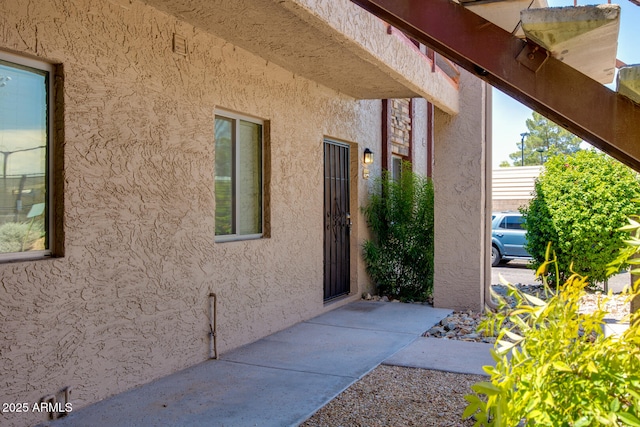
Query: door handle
point(349, 223)
point(499, 235)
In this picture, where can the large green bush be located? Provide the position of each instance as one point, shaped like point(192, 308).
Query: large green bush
point(556, 367)
point(399, 258)
point(580, 202)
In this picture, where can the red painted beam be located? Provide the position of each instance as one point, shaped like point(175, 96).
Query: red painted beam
point(583, 106)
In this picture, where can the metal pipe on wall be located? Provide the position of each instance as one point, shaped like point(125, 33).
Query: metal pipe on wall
point(213, 342)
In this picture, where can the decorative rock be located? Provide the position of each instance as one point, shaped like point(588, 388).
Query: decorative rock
point(463, 325)
point(435, 331)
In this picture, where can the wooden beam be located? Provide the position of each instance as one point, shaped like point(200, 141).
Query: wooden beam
point(522, 70)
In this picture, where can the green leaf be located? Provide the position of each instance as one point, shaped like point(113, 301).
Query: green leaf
point(628, 419)
point(513, 336)
point(504, 346)
point(472, 398)
point(534, 300)
point(561, 366)
point(633, 225)
point(632, 242)
point(534, 414)
point(582, 422)
point(471, 409)
point(484, 387)
point(614, 406)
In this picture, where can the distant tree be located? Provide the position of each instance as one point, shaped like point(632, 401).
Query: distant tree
point(545, 139)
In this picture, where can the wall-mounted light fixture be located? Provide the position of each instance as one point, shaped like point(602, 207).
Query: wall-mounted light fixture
point(368, 156)
point(367, 159)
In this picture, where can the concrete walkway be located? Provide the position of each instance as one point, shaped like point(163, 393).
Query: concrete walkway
point(283, 379)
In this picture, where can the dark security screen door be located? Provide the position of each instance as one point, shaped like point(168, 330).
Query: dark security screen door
point(337, 219)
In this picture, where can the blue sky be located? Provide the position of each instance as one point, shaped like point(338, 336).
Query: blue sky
point(509, 116)
point(22, 120)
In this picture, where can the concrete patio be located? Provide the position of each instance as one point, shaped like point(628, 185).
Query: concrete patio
point(283, 379)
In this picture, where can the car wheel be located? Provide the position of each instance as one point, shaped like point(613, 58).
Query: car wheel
point(495, 256)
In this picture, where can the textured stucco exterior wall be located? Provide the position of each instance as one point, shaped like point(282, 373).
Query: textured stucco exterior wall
point(460, 185)
point(370, 127)
point(419, 129)
point(128, 301)
point(358, 28)
point(334, 42)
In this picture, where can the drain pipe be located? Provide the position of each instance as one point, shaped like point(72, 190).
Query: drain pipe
point(213, 342)
point(489, 303)
point(488, 196)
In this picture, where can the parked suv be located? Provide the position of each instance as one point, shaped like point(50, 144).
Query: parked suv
point(508, 237)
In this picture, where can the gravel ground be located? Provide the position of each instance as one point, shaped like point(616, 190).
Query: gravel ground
point(397, 396)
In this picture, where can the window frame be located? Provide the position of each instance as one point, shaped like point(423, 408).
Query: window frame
point(396, 167)
point(49, 69)
point(236, 118)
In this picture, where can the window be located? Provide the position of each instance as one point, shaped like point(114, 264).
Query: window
point(514, 222)
point(238, 177)
point(396, 168)
point(25, 145)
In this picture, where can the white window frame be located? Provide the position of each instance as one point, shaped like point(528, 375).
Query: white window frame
point(237, 117)
point(49, 209)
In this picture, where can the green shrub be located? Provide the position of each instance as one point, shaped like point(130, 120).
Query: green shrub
point(562, 369)
point(580, 202)
point(399, 258)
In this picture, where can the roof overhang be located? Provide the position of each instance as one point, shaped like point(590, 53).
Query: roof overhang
point(341, 47)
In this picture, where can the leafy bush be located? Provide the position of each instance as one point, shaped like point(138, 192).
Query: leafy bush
point(399, 258)
point(562, 369)
point(579, 204)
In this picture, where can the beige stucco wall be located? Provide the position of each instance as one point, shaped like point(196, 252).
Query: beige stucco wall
point(335, 42)
point(461, 184)
point(128, 301)
point(419, 129)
